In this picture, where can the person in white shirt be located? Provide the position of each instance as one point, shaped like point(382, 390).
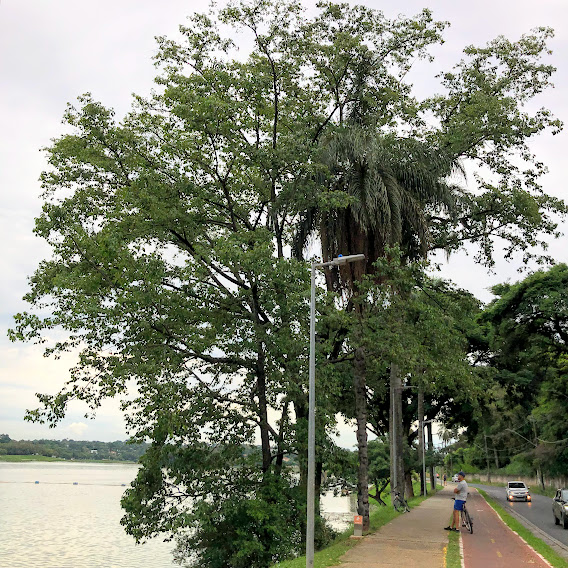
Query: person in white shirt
point(461, 498)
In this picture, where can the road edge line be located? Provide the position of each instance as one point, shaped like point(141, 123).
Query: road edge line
point(544, 536)
point(462, 556)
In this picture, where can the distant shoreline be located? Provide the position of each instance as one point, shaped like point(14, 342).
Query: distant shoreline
point(31, 458)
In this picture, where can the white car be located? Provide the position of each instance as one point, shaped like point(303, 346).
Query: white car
point(518, 491)
point(455, 478)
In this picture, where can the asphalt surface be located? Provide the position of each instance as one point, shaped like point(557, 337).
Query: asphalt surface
point(536, 516)
point(493, 544)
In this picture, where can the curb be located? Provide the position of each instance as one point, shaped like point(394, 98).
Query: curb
point(559, 547)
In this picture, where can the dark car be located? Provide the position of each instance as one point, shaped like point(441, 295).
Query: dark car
point(560, 507)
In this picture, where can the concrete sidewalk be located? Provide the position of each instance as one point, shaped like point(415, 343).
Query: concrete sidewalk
point(416, 539)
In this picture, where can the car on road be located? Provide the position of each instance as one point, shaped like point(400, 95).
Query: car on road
point(455, 478)
point(560, 508)
point(518, 491)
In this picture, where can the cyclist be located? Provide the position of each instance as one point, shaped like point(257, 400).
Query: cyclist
point(461, 497)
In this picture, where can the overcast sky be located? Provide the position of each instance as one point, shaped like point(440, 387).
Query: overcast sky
point(52, 51)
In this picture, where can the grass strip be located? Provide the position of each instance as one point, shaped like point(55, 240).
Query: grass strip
point(453, 557)
point(330, 556)
point(538, 544)
point(27, 458)
point(323, 558)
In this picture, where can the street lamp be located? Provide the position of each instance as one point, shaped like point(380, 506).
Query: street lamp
point(424, 422)
point(311, 402)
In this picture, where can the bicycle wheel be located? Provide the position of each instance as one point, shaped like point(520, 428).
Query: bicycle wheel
point(468, 521)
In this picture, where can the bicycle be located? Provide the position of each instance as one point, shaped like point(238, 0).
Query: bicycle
point(399, 503)
point(466, 519)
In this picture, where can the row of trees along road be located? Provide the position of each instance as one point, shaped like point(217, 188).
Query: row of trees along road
point(180, 236)
point(521, 426)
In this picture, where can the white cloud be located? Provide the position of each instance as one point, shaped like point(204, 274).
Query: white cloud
point(77, 430)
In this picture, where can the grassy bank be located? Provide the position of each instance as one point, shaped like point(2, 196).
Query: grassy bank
point(540, 546)
point(330, 556)
point(31, 458)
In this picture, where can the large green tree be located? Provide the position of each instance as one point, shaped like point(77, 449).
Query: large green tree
point(169, 276)
point(177, 240)
point(398, 188)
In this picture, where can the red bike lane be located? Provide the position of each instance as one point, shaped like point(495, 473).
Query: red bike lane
point(493, 544)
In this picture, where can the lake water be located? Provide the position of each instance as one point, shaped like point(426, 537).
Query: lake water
point(56, 524)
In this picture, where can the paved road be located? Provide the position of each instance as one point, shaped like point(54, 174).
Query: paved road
point(536, 516)
point(493, 544)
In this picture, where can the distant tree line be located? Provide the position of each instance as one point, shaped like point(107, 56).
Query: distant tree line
point(73, 449)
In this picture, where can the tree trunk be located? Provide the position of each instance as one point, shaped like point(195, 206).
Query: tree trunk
point(391, 436)
point(431, 448)
point(395, 432)
point(263, 411)
point(359, 379)
point(487, 460)
point(379, 490)
point(408, 488)
point(399, 434)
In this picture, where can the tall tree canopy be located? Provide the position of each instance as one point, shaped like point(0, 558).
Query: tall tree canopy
point(527, 329)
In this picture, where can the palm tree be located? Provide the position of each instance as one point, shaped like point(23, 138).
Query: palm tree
point(390, 185)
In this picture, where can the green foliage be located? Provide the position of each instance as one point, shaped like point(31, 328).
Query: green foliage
point(379, 467)
point(341, 466)
point(425, 326)
point(178, 240)
point(525, 418)
point(242, 531)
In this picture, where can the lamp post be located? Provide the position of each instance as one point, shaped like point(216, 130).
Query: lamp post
point(423, 423)
point(311, 403)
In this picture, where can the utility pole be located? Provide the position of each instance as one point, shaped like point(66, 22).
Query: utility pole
point(421, 436)
point(487, 460)
point(538, 469)
point(423, 444)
